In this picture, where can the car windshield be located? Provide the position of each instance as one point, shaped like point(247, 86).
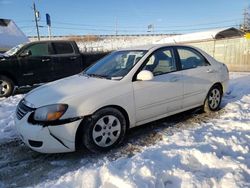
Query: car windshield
point(13, 50)
point(115, 65)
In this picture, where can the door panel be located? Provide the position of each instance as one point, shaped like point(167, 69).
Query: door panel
point(67, 65)
point(196, 77)
point(67, 61)
point(38, 66)
point(196, 84)
point(163, 94)
point(159, 96)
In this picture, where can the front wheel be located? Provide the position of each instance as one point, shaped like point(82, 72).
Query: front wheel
point(105, 130)
point(213, 99)
point(6, 86)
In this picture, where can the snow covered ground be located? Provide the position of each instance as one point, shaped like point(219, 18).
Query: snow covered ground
point(188, 150)
point(7, 109)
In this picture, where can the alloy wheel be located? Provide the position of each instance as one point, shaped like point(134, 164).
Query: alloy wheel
point(4, 88)
point(214, 98)
point(106, 131)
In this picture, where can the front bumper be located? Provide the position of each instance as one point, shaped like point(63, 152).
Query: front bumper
point(49, 139)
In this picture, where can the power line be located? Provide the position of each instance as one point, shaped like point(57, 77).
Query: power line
point(136, 30)
point(211, 23)
point(94, 27)
point(143, 26)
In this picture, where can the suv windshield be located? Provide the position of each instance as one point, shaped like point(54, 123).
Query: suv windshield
point(115, 65)
point(13, 50)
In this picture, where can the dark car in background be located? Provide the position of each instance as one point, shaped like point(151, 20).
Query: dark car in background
point(39, 62)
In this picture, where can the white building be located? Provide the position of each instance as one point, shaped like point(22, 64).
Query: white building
point(10, 35)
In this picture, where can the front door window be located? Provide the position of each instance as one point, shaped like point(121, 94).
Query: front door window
point(161, 62)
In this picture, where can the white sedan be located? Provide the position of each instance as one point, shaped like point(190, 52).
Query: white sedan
point(127, 88)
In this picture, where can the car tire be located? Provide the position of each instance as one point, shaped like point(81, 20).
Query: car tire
point(213, 99)
point(103, 130)
point(6, 86)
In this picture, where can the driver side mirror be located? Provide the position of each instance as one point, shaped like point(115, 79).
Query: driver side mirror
point(26, 53)
point(145, 75)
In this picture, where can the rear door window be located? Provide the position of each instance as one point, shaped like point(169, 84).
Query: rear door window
point(189, 58)
point(63, 48)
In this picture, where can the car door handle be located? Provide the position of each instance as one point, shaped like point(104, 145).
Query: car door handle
point(210, 71)
point(45, 60)
point(73, 58)
point(28, 74)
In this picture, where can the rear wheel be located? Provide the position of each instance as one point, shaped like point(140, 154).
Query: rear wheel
point(6, 86)
point(213, 100)
point(105, 130)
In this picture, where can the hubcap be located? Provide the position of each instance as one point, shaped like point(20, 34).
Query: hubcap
point(214, 98)
point(106, 131)
point(4, 88)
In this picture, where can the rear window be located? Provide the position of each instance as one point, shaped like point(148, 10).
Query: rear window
point(63, 48)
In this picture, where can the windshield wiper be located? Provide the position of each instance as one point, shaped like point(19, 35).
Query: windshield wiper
point(97, 76)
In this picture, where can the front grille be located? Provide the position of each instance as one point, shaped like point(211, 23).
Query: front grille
point(22, 110)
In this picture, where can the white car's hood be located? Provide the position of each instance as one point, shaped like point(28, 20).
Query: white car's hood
point(59, 91)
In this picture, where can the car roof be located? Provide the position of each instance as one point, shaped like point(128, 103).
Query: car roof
point(153, 47)
point(45, 41)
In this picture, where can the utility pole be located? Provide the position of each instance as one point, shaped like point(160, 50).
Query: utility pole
point(49, 31)
point(36, 14)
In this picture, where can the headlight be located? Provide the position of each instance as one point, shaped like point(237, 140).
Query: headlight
point(50, 113)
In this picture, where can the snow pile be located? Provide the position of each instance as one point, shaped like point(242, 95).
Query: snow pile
point(214, 153)
point(7, 110)
point(109, 42)
point(115, 43)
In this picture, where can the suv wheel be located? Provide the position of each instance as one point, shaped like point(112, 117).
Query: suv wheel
point(6, 86)
point(105, 130)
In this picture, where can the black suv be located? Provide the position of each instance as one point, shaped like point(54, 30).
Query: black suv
point(38, 62)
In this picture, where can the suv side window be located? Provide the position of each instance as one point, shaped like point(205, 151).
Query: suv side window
point(161, 62)
point(41, 49)
point(63, 48)
point(189, 58)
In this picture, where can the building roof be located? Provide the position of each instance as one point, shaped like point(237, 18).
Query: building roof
point(10, 35)
point(203, 35)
